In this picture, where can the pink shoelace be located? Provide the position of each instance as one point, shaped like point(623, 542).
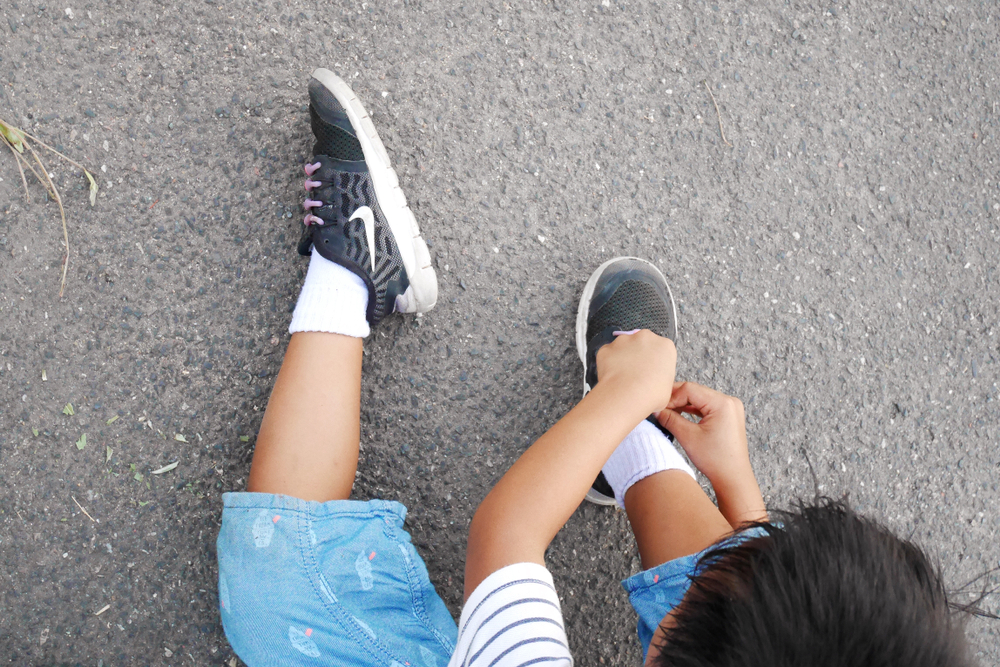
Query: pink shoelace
point(310, 204)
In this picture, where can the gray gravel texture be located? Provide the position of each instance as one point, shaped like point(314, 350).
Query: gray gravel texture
point(835, 268)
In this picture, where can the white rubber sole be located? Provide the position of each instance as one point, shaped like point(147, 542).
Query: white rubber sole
point(422, 293)
point(582, 313)
point(599, 498)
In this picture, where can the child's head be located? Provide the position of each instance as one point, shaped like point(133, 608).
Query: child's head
point(827, 588)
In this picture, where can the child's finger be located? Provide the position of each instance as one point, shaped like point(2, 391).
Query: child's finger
point(693, 394)
point(683, 429)
point(688, 409)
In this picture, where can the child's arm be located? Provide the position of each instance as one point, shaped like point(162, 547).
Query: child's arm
point(518, 519)
point(717, 446)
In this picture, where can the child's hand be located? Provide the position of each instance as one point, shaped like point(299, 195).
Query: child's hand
point(716, 445)
point(643, 363)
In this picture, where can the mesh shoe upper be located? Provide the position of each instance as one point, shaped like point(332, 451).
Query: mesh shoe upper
point(335, 137)
point(342, 189)
point(630, 294)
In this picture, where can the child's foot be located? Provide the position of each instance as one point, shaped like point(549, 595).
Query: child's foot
point(623, 294)
point(356, 214)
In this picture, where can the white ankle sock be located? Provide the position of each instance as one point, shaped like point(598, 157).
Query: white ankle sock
point(643, 452)
point(332, 299)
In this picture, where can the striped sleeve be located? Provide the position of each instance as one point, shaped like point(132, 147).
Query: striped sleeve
point(513, 619)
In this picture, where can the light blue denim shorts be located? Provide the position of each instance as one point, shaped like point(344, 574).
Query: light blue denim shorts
point(656, 591)
point(339, 583)
point(335, 583)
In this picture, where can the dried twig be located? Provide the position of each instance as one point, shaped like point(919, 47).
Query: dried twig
point(20, 169)
point(62, 213)
point(22, 162)
point(17, 140)
point(83, 510)
point(35, 174)
point(717, 113)
point(46, 146)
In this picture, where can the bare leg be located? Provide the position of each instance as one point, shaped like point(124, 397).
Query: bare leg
point(672, 517)
point(308, 441)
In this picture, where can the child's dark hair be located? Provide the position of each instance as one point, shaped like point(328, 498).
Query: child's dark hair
point(826, 588)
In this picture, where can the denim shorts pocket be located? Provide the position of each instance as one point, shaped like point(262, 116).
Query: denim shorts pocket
point(327, 583)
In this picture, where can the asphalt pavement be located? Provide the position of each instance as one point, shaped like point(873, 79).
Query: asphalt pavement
point(829, 229)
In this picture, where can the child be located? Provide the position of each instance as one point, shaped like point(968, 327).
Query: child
point(307, 576)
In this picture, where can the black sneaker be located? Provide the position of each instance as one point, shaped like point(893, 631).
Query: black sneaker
point(356, 215)
point(623, 294)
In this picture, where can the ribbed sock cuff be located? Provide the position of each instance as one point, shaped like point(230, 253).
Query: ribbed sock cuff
point(332, 300)
point(643, 452)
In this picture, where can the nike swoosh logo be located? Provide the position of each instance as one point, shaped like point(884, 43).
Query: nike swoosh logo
point(367, 217)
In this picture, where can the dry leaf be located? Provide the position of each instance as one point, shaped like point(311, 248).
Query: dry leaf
point(93, 187)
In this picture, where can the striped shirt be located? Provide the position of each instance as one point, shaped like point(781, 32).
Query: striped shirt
point(513, 619)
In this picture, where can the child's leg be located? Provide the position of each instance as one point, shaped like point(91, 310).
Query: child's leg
point(673, 519)
point(671, 516)
point(335, 582)
point(308, 441)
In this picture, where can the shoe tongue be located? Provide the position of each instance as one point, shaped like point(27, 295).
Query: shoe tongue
point(331, 167)
point(327, 168)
